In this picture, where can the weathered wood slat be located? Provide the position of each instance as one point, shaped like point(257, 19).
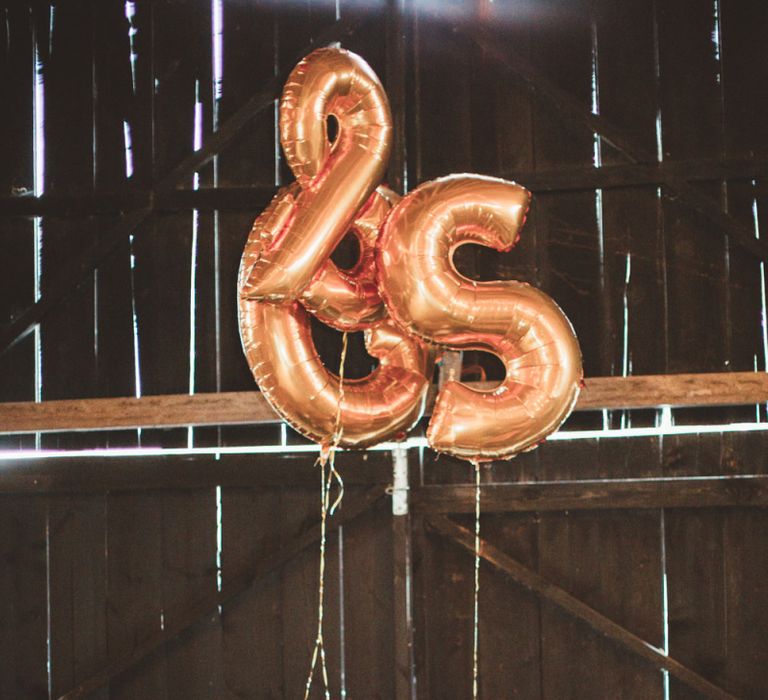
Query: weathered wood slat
point(24, 598)
point(565, 104)
point(117, 474)
point(557, 596)
point(17, 263)
point(250, 198)
point(246, 407)
point(155, 639)
point(84, 262)
point(596, 495)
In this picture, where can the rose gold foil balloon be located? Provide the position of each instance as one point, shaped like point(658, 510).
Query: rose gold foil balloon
point(336, 179)
point(383, 405)
point(521, 325)
point(343, 299)
point(286, 264)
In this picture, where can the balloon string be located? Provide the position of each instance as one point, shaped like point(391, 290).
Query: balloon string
point(476, 616)
point(338, 427)
point(327, 457)
point(322, 460)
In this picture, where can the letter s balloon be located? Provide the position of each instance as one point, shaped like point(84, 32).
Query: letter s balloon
point(520, 324)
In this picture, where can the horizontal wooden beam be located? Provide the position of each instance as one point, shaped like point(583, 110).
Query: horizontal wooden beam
point(607, 177)
point(90, 474)
point(178, 622)
point(250, 407)
point(719, 491)
point(573, 606)
point(255, 197)
point(204, 199)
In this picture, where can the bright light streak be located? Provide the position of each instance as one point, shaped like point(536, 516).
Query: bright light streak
point(197, 144)
point(38, 185)
point(128, 149)
point(217, 12)
point(130, 13)
point(415, 442)
point(135, 319)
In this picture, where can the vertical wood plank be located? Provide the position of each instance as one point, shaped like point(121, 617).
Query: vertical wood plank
point(23, 599)
point(189, 574)
point(696, 597)
point(135, 590)
point(561, 50)
point(579, 552)
point(369, 604)
point(68, 335)
point(77, 564)
point(250, 54)
point(444, 79)
point(691, 114)
point(252, 624)
point(611, 561)
point(746, 666)
point(712, 571)
point(503, 145)
point(692, 119)
point(112, 97)
point(181, 43)
point(510, 617)
point(17, 266)
point(743, 65)
point(626, 93)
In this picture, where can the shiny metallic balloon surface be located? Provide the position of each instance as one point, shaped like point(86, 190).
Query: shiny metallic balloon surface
point(286, 270)
point(405, 291)
point(516, 322)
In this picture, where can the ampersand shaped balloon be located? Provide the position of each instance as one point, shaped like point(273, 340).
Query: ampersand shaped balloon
point(520, 324)
point(286, 269)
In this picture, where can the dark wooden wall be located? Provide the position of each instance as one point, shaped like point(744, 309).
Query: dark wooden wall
point(95, 571)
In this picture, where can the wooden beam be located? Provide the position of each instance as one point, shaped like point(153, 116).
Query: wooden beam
point(609, 494)
point(73, 273)
point(203, 199)
point(254, 198)
point(564, 600)
point(178, 622)
point(134, 473)
point(651, 391)
point(250, 407)
point(608, 177)
point(572, 109)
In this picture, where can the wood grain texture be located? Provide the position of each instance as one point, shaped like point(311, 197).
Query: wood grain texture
point(17, 264)
point(132, 661)
point(596, 495)
point(23, 598)
point(77, 592)
point(557, 596)
point(78, 475)
point(242, 408)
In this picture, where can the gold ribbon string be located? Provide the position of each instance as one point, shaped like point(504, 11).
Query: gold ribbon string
point(327, 456)
point(476, 616)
